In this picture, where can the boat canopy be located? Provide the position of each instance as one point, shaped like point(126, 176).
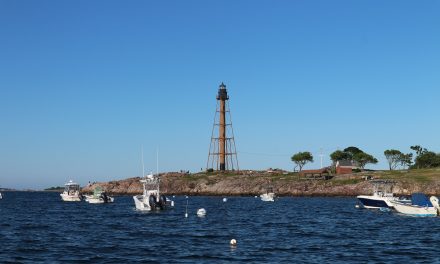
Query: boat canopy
point(98, 191)
point(420, 199)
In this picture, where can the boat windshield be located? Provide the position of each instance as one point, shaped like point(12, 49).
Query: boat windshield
point(71, 187)
point(383, 187)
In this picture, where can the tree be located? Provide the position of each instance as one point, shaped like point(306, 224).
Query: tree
point(363, 159)
point(393, 157)
point(418, 149)
point(352, 151)
point(339, 155)
point(406, 160)
point(427, 159)
point(302, 158)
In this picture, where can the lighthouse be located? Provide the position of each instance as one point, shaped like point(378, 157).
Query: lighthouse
point(222, 154)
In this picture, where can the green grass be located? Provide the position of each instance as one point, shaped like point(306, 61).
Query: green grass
point(421, 176)
point(415, 175)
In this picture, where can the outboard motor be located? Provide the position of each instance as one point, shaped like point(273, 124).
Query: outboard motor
point(162, 201)
point(435, 202)
point(152, 201)
point(104, 197)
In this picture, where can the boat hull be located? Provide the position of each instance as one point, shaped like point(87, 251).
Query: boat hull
point(70, 198)
point(141, 203)
point(94, 200)
point(375, 202)
point(267, 197)
point(414, 210)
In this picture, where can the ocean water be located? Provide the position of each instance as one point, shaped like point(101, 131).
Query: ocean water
point(39, 227)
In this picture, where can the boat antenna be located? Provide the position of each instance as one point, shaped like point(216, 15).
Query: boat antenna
point(321, 155)
point(142, 157)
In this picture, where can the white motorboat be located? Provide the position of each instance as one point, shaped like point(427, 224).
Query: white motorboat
point(1, 197)
point(71, 192)
point(420, 206)
point(269, 196)
point(151, 199)
point(98, 197)
point(382, 195)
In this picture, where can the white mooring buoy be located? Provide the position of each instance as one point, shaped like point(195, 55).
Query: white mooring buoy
point(233, 242)
point(201, 212)
point(224, 200)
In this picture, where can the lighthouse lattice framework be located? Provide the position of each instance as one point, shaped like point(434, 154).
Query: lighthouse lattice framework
point(222, 151)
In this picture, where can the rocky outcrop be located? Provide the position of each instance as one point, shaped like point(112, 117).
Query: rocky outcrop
point(255, 183)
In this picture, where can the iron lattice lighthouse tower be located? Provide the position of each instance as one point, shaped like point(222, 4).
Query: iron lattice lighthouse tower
point(222, 152)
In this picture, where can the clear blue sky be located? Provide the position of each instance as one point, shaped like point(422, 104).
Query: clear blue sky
point(85, 83)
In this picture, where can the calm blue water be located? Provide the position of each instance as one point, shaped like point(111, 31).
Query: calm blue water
point(39, 227)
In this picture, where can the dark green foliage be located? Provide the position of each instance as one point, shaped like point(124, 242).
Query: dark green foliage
point(406, 160)
point(363, 159)
point(427, 159)
point(393, 157)
point(339, 155)
point(354, 154)
point(54, 188)
point(396, 158)
point(352, 151)
point(418, 149)
point(302, 158)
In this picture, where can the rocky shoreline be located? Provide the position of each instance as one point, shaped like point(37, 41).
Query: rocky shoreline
point(250, 184)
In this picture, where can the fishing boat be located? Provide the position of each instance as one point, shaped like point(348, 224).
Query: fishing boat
point(268, 196)
point(382, 195)
point(151, 199)
point(420, 206)
point(71, 192)
point(98, 197)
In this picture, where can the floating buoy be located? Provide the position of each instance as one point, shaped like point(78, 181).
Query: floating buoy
point(357, 206)
point(186, 196)
point(186, 215)
point(233, 242)
point(256, 196)
point(201, 212)
point(224, 200)
point(172, 203)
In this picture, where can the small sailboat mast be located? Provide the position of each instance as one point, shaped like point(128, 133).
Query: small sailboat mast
point(143, 169)
point(157, 172)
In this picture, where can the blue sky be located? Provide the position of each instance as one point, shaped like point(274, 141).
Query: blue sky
point(85, 83)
